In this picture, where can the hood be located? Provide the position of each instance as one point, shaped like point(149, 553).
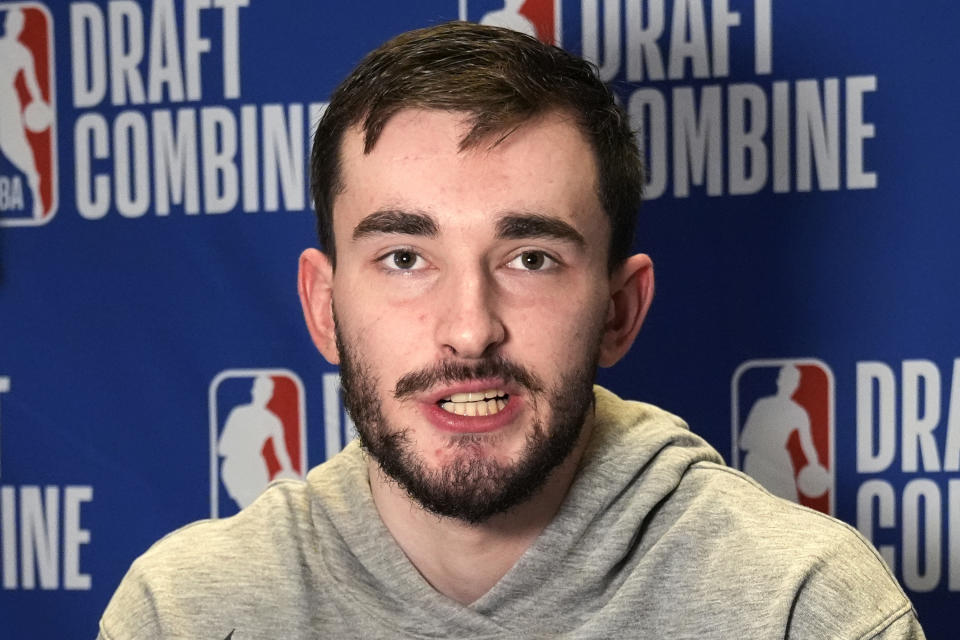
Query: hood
point(636, 458)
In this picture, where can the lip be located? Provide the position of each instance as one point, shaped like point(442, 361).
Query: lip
point(453, 423)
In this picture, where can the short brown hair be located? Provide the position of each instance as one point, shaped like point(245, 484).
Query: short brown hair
point(502, 78)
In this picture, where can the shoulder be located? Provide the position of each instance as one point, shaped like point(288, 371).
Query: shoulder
point(833, 580)
point(715, 491)
point(214, 575)
point(278, 518)
point(204, 573)
point(737, 510)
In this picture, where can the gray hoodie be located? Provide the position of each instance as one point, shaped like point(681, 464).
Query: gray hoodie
point(656, 539)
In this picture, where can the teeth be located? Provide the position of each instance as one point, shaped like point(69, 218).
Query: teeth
point(475, 396)
point(475, 403)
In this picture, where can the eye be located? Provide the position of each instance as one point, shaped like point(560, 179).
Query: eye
point(402, 260)
point(533, 261)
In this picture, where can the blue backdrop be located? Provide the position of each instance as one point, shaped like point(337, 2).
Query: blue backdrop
point(801, 213)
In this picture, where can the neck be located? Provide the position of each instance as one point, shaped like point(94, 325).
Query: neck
point(460, 560)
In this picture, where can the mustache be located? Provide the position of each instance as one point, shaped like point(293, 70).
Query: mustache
point(450, 371)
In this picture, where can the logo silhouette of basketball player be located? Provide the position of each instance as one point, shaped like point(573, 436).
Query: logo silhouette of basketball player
point(509, 17)
point(247, 430)
point(14, 120)
point(771, 422)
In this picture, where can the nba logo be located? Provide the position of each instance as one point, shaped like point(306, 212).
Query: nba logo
point(28, 158)
point(257, 434)
point(783, 420)
point(538, 18)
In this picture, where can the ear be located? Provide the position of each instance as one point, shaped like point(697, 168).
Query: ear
point(631, 291)
point(315, 285)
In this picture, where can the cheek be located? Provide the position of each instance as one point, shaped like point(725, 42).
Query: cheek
point(394, 337)
point(550, 346)
point(572, 314)
point(393, 342)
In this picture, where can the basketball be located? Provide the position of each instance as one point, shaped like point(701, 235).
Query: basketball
point(813, 480)
point(37, 116)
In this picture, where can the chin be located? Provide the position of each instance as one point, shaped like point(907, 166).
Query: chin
point(487, 447)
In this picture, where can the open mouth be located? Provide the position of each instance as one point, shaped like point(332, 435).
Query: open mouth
point(475, 403)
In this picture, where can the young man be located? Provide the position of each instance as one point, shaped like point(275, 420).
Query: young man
point(475, 192)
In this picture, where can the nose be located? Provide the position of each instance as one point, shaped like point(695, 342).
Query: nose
point(469, 325)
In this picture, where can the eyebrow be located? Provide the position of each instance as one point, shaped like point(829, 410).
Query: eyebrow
point(513, 226)
point(395, 221)
point(519, 226)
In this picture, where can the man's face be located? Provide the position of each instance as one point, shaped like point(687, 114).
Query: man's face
point(470, 294)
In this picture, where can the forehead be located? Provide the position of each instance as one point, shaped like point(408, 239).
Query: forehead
point(546, 165)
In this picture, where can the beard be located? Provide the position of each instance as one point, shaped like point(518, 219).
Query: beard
point(469, 488)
